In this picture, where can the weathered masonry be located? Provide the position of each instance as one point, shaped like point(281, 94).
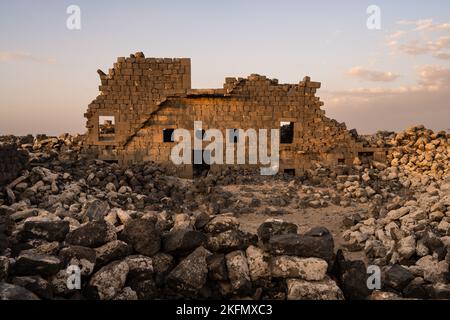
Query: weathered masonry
point(142, 100)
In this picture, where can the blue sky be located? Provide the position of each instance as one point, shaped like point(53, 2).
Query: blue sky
point(371, 79)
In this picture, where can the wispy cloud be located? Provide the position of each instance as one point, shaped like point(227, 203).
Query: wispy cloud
point(430, 78)
point(426, 25)
point(394, 108)
point(425, 37)
point(23, 57)
point(372, 75)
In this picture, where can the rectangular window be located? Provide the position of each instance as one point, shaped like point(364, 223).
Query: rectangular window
point(341, 161)
point(168, 135)
point(286, 132)
point(289, 172)
point(106, 128)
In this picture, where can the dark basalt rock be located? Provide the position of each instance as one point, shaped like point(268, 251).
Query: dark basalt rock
point(274, 228)
point(143, 236)
point(47, 230)
point(36, 264)
point(317, 242)
point(182, 242)
point(398, 277)
point(92, 234)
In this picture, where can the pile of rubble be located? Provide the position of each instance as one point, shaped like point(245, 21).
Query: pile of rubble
point(410, 229)
point(123, 254)
point(137, 233)
point(420, 150)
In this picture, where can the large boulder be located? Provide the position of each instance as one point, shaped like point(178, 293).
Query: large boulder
point(352, 277)
point(275, 227)
point(52, 230)
point(14, 292)
point(182, 242)
point(83, 257)
point(35, 284)
point(317, 242)
point(327, 289)
point(222, 223)
point(258, 263)
point(311, 269)
point(97, 210)
point(230, 240)
point(217, 267)
point(36, 264)
point(143, 236)
point(111, 251)
point(92, 234)
point(191, 273)
point(109, 281)
point(238, 272)
point(398, 277)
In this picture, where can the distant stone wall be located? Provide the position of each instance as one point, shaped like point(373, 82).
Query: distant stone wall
point(12, 161)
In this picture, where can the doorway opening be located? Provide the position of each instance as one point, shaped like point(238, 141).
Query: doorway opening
point(200, 169)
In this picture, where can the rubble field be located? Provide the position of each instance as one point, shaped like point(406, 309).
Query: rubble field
point(135, 232)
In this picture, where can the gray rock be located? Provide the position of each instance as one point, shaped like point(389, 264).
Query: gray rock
point(228, 241)
point(191, 273)
point(217, 267)
point(4, 267)
point(48, 230)
point(35, 284)
point(83, 257)
point(326, 289)
point(92, 234)
point(126, 294)
point(114, 250)
point(139, 266)
point(311, 269)
point(222, 223)
point(109, 281)
point(97, 210)
point(143, 236)
point(36, 264)
point(258, 263)
point(275, 227)
point(317, 243)
point(13, 292)
point(398, 277)
point(238, 272)
point(182, 242)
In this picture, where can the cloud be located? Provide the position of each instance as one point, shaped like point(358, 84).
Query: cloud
point(380, 108)
point(426, 25)
point(372, 75)
point(442, 55)
point(424, 38)
point(22, 57)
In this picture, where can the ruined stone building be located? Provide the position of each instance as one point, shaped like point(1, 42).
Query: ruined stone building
point(142, 100)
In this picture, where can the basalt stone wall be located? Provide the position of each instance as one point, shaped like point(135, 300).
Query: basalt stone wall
point(12, 161)
point(147, 96)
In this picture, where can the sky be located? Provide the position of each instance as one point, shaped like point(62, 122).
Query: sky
point(372, 79)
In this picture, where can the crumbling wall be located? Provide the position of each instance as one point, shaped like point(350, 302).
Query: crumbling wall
point(257, 103)
point(130, 92)
point(148, 95)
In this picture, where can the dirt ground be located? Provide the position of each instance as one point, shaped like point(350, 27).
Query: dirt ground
point(330, 217)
